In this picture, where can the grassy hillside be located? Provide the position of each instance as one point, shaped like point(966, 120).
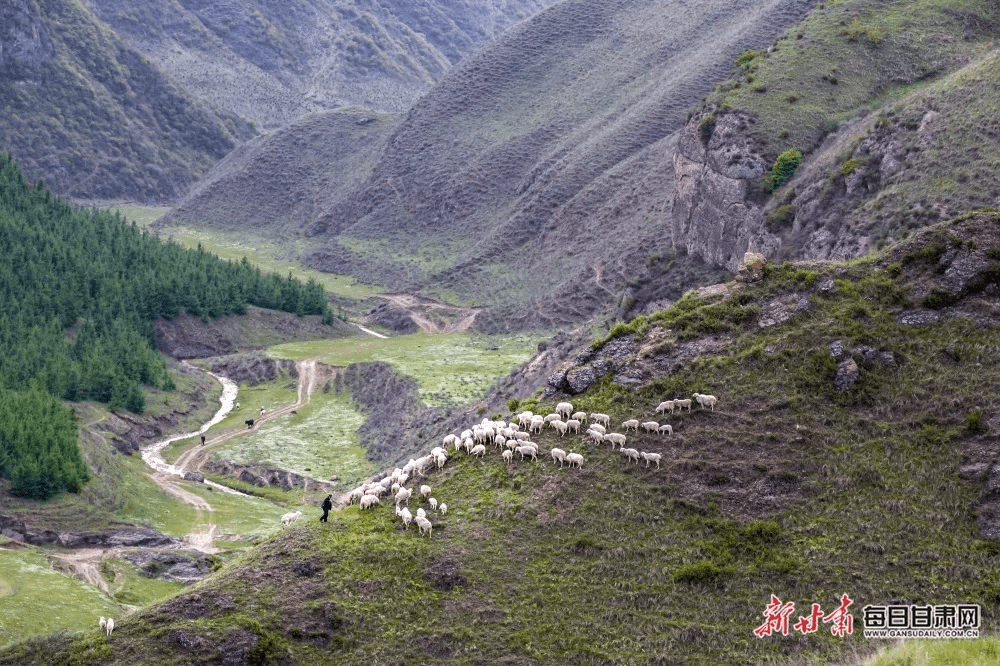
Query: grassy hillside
point(790, 487)
point(94, 118)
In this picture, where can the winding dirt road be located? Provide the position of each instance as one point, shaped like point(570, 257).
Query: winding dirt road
point(418, 308)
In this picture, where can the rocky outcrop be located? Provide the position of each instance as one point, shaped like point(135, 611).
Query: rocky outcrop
point(125, 536)
point(172, 566)
point(253, 369)
point(24, 38)
point(263, 476)
point(717, 210)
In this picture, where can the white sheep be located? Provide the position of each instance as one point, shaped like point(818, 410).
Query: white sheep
point(444, 508)
point(558, 454)
point(615, 438)
point(524, 418)
point(433, 503)
point(421, 513)
point(356, 494)
point(290, 518)
point(424, 525)
point(598, 427)
point(498, 441)
point(651, 457)
point(665, 406)
point(560, 426)
point(262, 412)
point(650, 426)
point(574, 425)
point(564, 408)
point(102, 623)
point(603, 419)
point(110, 625)
point(630, 454)
point(595, 435)
point(405, 514)
point(574, 459)
point(511, 443)
point(631, 424)
point(507, 455)
point(448, 439)
point(237, 405)
point(706, 400)
point(369, 501)
point(425, 490)
point(478, 450)
point(580, 416)
point(527, 451)
point(665, 428)
point(466, 434)
point(537, 423)
point(681, 404)
point(441, 460)
point(521, 436)
point(403, 496)
point(402, 479)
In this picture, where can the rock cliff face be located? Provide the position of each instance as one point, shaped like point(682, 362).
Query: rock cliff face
point(717, 207)
point(23, 36)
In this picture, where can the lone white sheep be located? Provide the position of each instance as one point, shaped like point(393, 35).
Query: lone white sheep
point(405, 514)
point(444, 508)
point(706, 400)
point(574, 459)
point(630, 454)
point(666, 428)
point(102, 623)
point(664, 407)
point(527, 451)
point(650, 426)
point(433, 503)
point(424, 525)
point(290, 518)
point(507, 455)
point(603, 419)
point(478, 450)
point(425, 490)
point(651, 457)
point(558, 454)
point(564, 409)
point(110, 625)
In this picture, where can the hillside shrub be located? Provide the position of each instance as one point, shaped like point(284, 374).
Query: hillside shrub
point(782, 216)
point(746, 58)
point(975, 422)
point(705, 128)
point(705, 571)
point(848, 167)
point(784, 168)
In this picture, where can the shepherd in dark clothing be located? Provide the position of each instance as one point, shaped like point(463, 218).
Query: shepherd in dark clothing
point(327, 505)
point(203, 440)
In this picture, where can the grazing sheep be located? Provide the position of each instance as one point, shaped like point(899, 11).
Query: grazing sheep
point(441, 460)
point(102, 623)
point(421, 513)
point(527, 451)
point(110, 625)
point(665, 428)
point(262, 412)
point(651, 457)
point(520, 436)
point(405, 514)
point(369, 501)
point(574, 459)
point(466, 434)
point(564, 408)
point(237, 405)
point(603, 419)
point(706, 400)
point(249, 423)
point(507, 455)
point(615, 438)
point(631, 424)
point(395, 489)
point(449, 439)
point(664, 407)
point(511, 443)
point(524, 418)
point(598, 427)
point(499, 441)
point(478, 450)
point(549, 418)
point(424, 525)
point(290, 518)
point(596, 435)
point(580, 416)
point(630, 454)
point(537, 423)
point(681, 404)
point(425, 490)
point(356, 494)
point(434, 504)
point(560, 426)
point(403, 496)
point(573, 425)
point(402, 479)
point(650, 426)
point(444, 508)
point(558, 454)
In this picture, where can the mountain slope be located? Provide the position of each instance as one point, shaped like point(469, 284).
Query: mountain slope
point(273, 62)
point(847, 455)
point(92, 117)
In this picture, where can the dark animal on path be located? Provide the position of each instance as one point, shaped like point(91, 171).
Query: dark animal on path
point(249, 423)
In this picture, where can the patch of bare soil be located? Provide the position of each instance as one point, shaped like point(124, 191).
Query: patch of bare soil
point(405, 313)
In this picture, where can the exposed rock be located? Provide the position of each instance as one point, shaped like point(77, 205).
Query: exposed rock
point(263, 476)
point(254, 368)
point(170, 565)
point(871, 357)
point(826, 285)
point(751, 269)
point(580, 379)
point(619, 350)
point(184, 641)
point(782, 309)
point(918, 317)
point(601, 367)
point(193, 476)
point(557, 380)
point(847, 374)
point(837, 349)
point(124, 536)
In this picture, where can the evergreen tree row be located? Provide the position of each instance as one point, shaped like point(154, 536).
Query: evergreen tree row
point(79, 290)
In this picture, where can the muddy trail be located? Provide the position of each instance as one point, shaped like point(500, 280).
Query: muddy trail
point(430, 315)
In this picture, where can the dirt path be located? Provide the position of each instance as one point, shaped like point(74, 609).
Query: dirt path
point(85, 564)
point(371, 332)
point(419, 307)
point(195, 458)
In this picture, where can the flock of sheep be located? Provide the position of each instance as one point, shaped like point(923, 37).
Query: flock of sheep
point(513, 438)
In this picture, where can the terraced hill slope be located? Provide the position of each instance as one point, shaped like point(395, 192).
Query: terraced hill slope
point(92, 117)
point(848, 453)
point(273, 62)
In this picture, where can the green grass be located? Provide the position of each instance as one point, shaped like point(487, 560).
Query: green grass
point(452, 369)
point(985, 650)
point(322, 437)
point(37, 599)
point(128, 586)
point(265, 253)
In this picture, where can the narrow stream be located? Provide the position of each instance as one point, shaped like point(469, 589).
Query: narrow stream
point(151, 452)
